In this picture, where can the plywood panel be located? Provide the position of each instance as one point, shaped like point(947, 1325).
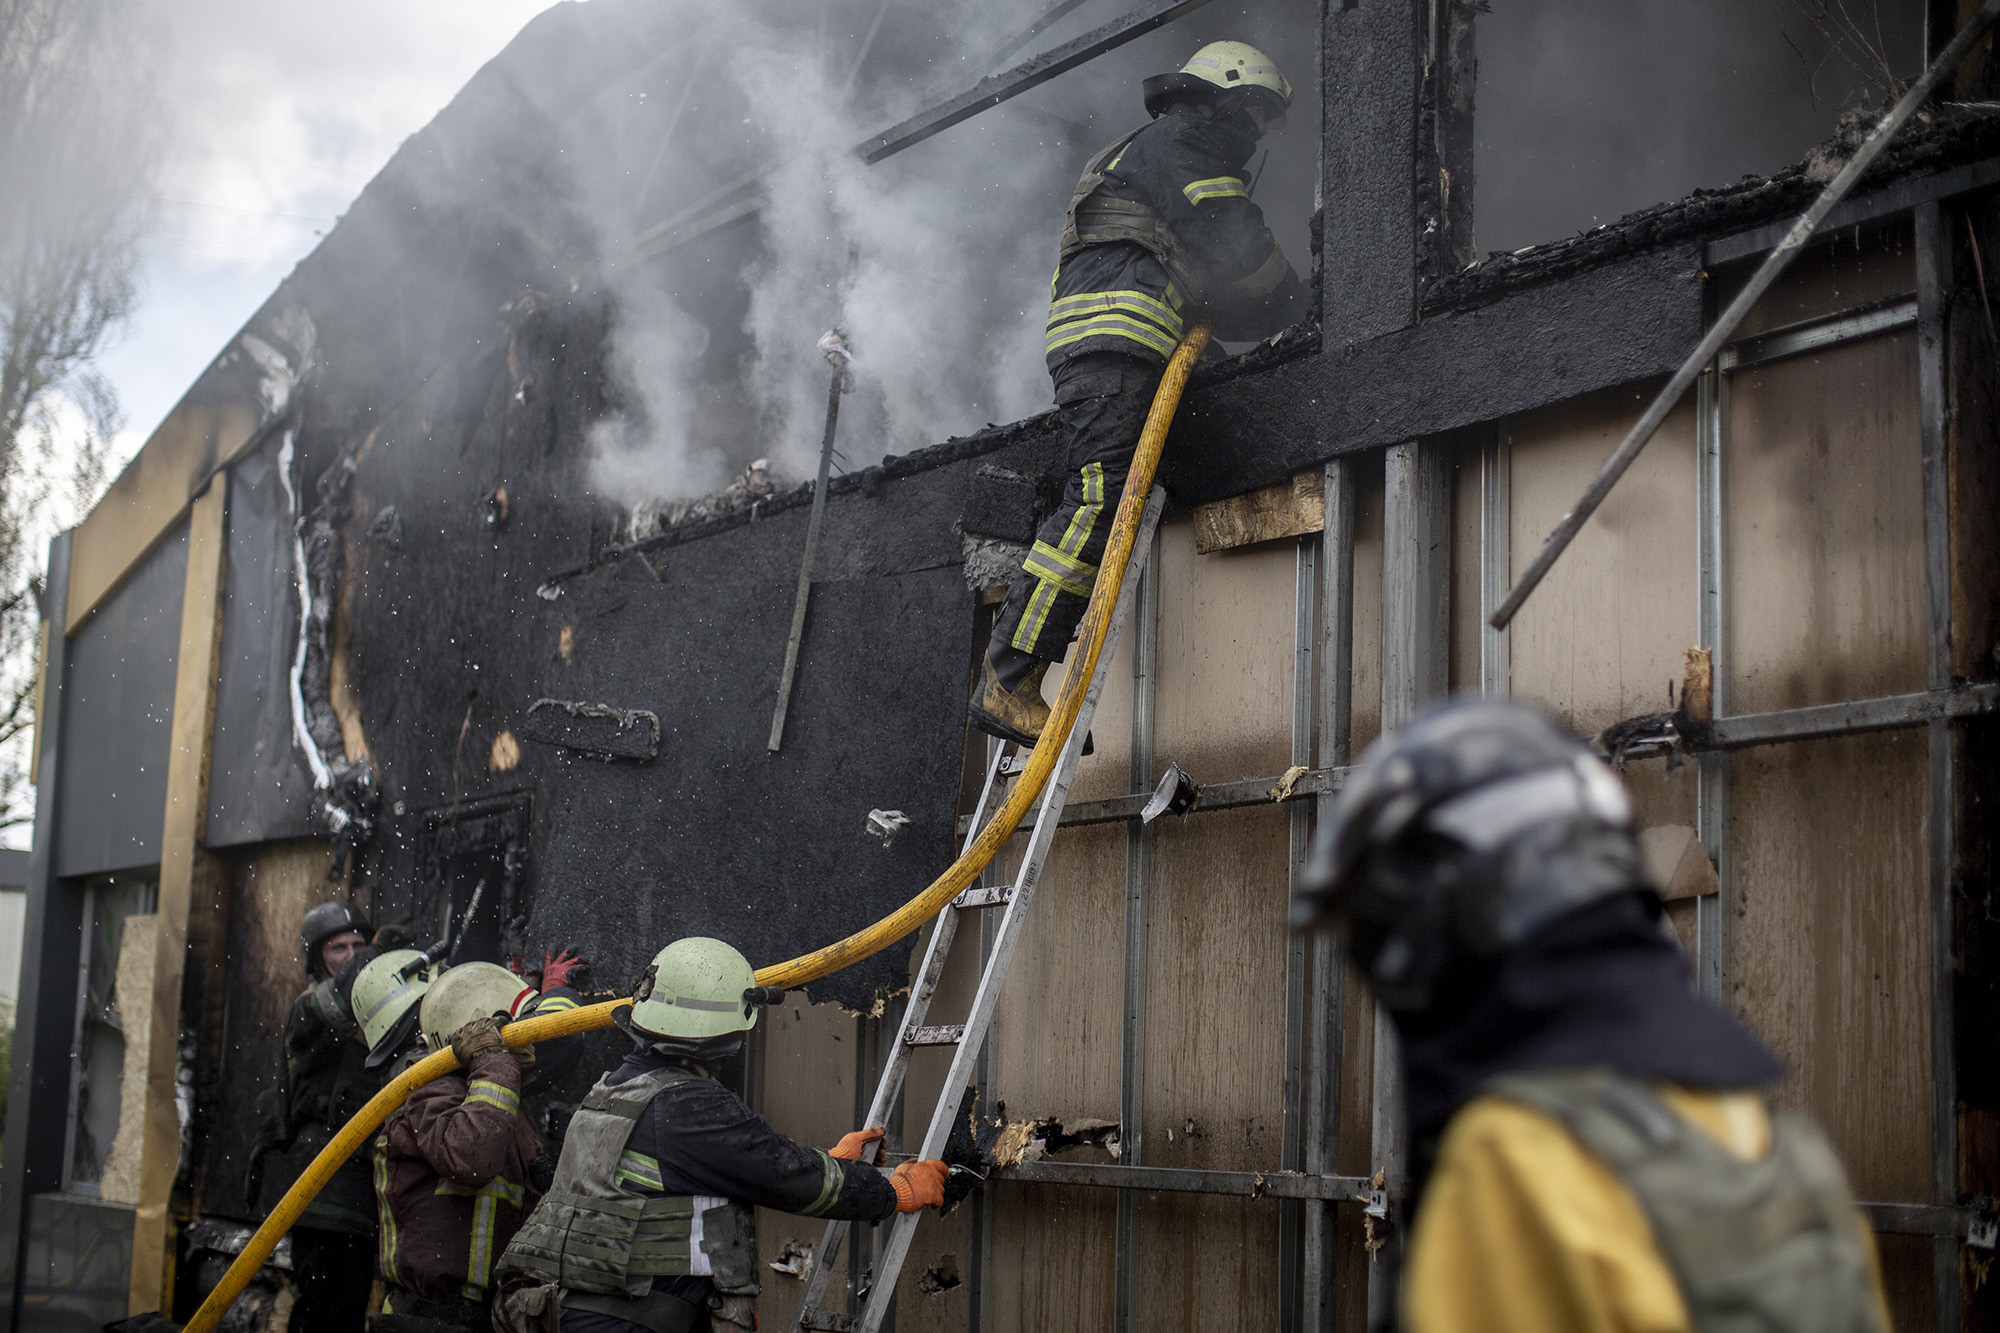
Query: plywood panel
point(1825, 529)
point(1224, 705)
point(1215, 1031)
point(1054, 1265)
point(1830, 957)
point(808, 1092)
point(1603, 636)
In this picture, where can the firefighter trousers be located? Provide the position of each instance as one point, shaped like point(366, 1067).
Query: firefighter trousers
point(1102, 400)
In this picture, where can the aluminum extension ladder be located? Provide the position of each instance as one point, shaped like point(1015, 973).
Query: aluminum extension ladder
point(969, 1036)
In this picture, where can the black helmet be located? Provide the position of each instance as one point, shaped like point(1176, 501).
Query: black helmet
point(321, 924)
point(1456, 839)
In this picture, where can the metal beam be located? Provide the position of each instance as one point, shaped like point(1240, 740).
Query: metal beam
point(1214, 796)
point(1852, 716)
point(1812, 335)
point(1030, 73)
point(1921, 1219)
point(1177, 1180)
point(1898, 198)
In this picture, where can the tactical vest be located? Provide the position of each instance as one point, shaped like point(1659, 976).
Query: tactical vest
point(1095, 219)
point(591, 1234)
point(1756, 1246)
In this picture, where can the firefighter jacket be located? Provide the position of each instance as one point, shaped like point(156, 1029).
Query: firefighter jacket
point(1688, 1210)
point(659, 1171)
point(1160, 231)
point(326, 1081)
point(453, 1180)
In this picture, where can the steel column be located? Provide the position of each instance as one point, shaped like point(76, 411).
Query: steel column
point(1138, 865)
point(44, 1013)
point(1712, 769)
point(1305, 694)
point(1933, 287)
point(1496, 465)
point(1335, 680)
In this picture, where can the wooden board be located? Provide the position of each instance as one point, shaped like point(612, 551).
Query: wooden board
point(1288, 509)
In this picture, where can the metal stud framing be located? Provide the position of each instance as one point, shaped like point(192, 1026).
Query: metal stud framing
point(1933, 283)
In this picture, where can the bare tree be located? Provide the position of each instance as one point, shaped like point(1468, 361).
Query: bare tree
point(79, 143)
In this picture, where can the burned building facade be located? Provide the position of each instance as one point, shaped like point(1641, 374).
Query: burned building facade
point(367, 618)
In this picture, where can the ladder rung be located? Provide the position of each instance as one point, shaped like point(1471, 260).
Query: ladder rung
point(998, 896)
point(948, 1034)
point(840, 1323)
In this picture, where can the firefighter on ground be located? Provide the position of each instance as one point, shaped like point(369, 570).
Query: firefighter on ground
point(458, 1166)
point(647, 1227)
point(325, 1082)
point(1589, 1147)
point(1160, 234)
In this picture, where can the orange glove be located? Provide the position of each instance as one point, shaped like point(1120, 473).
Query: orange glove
point(920, 1184)
point(851, 1146)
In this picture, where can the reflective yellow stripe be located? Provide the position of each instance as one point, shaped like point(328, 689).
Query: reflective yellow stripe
point(1268, 275)
point(1086, 304)
point(829, 1189)
point(1113, 326)
point(493, 1094)
point(481, 1258)
point(639, 1169)
point(553, 1004)
point(1215, 187)
point(1034, 616)
point(1048, 566)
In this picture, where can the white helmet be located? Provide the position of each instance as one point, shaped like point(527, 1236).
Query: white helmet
point(697, 988)
point(1225, 67)
point(384, 1000)
point(467, 992)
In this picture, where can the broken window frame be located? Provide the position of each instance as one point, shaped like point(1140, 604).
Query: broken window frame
point(108, 901)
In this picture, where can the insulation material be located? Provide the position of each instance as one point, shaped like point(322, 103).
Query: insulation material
point(258, 788)
point(137, 955)
point(1825, 562)
point(118, 719)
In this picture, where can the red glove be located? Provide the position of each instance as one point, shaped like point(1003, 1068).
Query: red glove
point(851, 1146)
point(919, 1184)
point(556, 969)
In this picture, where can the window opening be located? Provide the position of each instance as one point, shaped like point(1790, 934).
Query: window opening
point(97, 1049)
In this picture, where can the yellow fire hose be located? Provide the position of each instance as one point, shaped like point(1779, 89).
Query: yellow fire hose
point(807, 967)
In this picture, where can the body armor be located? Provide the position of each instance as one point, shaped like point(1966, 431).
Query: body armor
point(1099, 219)
point(593, 1233)
point(1756, 1247)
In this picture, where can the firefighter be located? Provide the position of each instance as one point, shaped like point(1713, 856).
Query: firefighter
point(663, 1164)
point(1160, 234)
point(457, 1167)
point(325, 1081)
point(1589, 1145)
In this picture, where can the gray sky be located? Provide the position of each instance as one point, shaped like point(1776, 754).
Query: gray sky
point(284, 111)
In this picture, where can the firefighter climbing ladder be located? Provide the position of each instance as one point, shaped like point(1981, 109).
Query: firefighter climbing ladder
point(1013, 900)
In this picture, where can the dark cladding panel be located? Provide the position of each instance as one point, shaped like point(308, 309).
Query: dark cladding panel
point(118, 726)
point(717, 836)
point(259, 788)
